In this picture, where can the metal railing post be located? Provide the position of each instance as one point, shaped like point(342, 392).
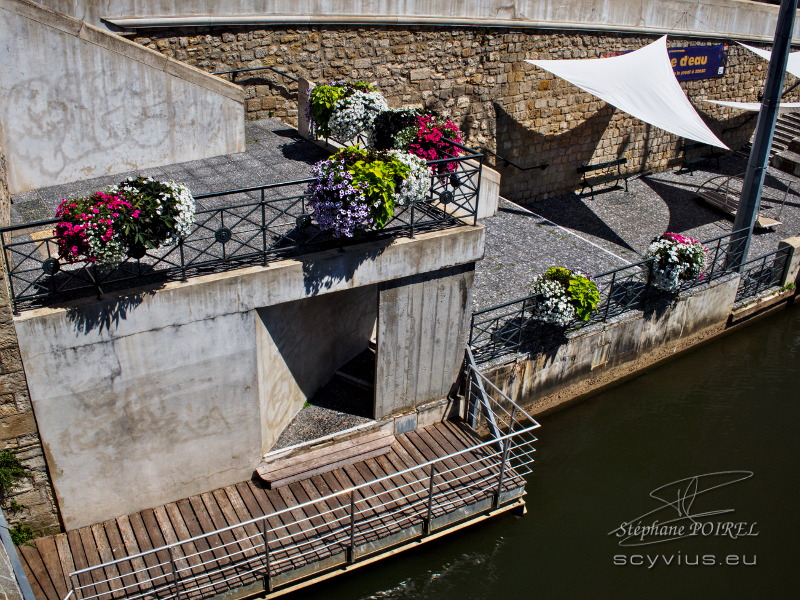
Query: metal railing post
point(352, 546)
point(267, 574)
point(263, 228)
point(610, 295)
point(426, 524)
point(175, 581)
point(501, 477)
point(183, 259)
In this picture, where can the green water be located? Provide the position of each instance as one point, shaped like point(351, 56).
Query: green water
point(729, 406)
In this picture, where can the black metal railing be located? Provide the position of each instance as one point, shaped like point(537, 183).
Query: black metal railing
point(233, 73)
point(762, 273)
point(508, 328)
point(242, 227)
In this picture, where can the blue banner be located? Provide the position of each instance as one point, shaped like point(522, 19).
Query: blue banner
point(698, 62)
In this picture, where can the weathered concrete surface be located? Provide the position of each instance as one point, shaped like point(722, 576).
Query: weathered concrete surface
point(726, 18)
point(300, 346)
point(158, 395)
point(793, 267)
point(78, 102)
point(423, 321)
point(600, 355)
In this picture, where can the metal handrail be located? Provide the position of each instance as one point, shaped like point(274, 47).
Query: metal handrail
point(617, 291)
point(234, 71)
point(261, 228)
point(323, 499)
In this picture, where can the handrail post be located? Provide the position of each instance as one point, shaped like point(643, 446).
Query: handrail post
point(175, 582)
point(610, 295)
point(267, 573)
point(426, 524)
point(183, 258)
point(351, 549)
point(501, 477)
point(263, 228)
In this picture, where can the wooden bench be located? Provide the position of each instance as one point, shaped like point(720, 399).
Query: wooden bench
point(730, 204)
point(609, 174)
point(689, 161)
point(288, 470)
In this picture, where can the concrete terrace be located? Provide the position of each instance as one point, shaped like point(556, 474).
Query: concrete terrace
point(592, 234)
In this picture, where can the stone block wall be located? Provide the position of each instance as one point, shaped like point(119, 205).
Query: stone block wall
point(19, 434)
point(479, 77)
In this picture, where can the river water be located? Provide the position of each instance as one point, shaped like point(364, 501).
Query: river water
point(730, 407)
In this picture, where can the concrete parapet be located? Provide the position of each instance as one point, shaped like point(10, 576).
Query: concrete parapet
point(601, 354)
point(792, 269)
point(166, 392)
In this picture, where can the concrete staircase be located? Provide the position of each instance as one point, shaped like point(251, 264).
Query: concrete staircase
point(785, 151)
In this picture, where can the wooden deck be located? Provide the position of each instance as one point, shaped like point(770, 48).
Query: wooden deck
point(301, 542)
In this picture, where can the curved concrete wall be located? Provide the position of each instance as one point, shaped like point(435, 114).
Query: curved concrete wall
point(78, 102)
point(739, 19)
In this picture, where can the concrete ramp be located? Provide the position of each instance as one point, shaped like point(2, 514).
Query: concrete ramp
point(78, 102)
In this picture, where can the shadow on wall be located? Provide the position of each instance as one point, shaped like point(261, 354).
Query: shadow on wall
point(103, 315)
point(322, 274)
point(566, 150)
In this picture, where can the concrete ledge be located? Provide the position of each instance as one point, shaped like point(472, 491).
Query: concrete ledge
point(750, 307)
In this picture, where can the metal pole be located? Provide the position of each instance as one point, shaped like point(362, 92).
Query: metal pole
point(750, 200)
point(502, 472)
point(16, 564)
point(174, 573)
point(426, 524)
point(267, 574)
point(351, 549)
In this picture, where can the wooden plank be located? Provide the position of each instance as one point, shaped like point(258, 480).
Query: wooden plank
point(65, 556)
point(52, 563)
point(104, 550)
point(207, 525)
point(244, 547)
point(40, 582)
point(155, 571)
point(282, 474)
point(195, 529)
point(132, 547)
point(118, 551)
point(79, 559)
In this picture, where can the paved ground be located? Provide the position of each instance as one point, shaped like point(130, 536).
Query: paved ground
point(614, 228)
point(274, 153)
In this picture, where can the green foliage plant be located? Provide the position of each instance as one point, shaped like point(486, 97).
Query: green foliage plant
point(11, 471)
point(21, 533)
point(323, 99)
point(584, 295)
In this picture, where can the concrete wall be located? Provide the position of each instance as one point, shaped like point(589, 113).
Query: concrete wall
point(423, 321)
point(602, 354)
point(164, 393)
point(300, 346)
point(78, 102)
point(19, 433)
point(725, 18)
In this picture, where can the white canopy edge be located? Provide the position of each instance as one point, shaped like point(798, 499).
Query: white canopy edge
point(641, 83)
point(784, 107)
point(792, 64)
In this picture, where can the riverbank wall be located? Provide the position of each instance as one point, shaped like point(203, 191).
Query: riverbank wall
point(606, 354)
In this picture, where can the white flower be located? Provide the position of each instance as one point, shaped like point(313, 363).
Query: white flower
point(553, 305)
point(415, 187)
point(355, 114)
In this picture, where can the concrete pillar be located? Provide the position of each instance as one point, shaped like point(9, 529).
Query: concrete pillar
point(423, 321)
point(303, 89)
point(793, 259)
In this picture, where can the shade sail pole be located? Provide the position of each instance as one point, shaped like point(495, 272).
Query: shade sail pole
point(750, 200)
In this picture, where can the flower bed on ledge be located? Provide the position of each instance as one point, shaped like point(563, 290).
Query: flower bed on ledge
point(254, 226)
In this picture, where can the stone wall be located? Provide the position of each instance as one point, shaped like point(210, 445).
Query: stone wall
point(18, 433)
point(479, 78)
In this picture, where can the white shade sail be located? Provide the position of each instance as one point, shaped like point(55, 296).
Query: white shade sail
point(783, 107)
point(792, 64)
point(641, 83)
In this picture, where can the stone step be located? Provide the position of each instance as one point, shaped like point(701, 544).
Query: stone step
point(788, 162)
